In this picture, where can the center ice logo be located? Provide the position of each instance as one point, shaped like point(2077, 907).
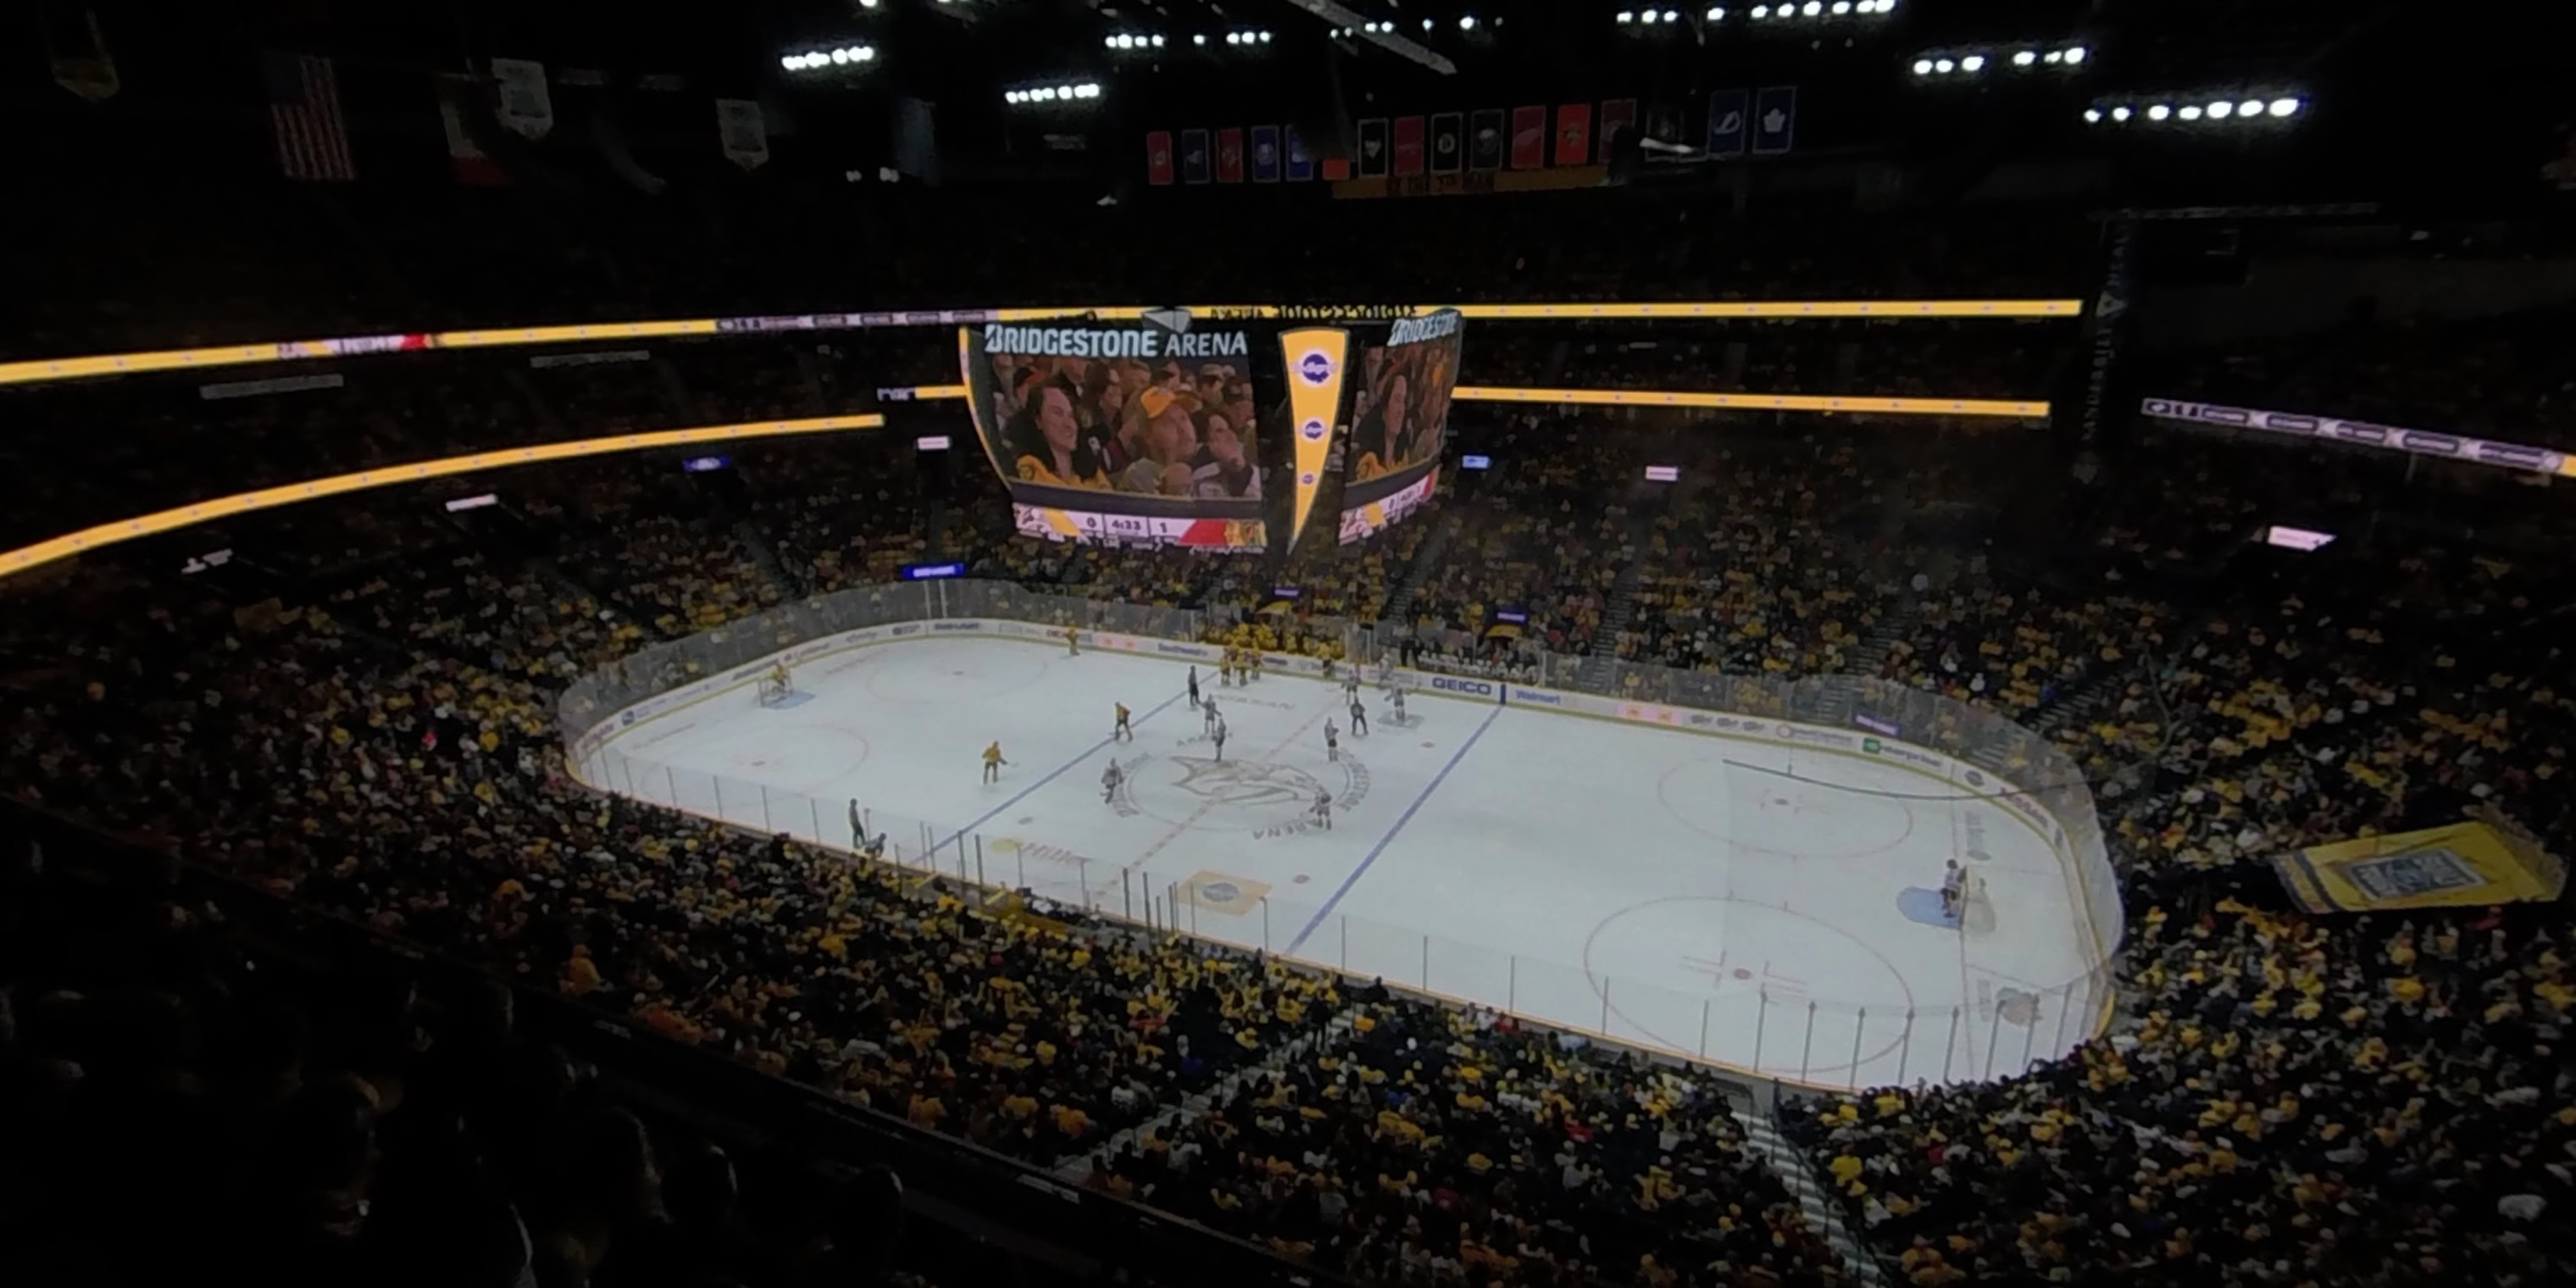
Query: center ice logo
point(1247, 783)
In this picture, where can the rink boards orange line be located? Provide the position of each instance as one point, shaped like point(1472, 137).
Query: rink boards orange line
point(213, 357)
point(171, 520)
point(2101, 1022)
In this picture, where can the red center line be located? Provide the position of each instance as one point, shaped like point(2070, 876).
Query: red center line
point(1202, 811)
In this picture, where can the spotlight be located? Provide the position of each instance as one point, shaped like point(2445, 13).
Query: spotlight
point(1672, 15)
point(1922, 66)
point(2159, 112)
point(1944, 66)
point(2189, 112)
point(1625, 17)
point(840, 58)
point(2120, 114)
point(1761, 11)
point(1265, 38)
point(1973, 63)
point(2249, 109)
point(1199, 39)
point(1648, 16)
point(1717, 15)
point(1234, 37)
point(1813, 7)
point(2056, 56)
point(2075, 54)
point(2221, 111)
point(1467, 22)
point(1426, 24)
point(2282, 107)
point(2025, 58)
point(1841, 7)
point(2092, 116)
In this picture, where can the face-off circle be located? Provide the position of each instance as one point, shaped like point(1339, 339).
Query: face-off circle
point(1264, 798)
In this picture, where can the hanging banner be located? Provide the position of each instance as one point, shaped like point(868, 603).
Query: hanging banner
point(1265, 154)
point(1373, 149)
point(1775, 120)
point(1446, 131)
point(1529, 138)
point(1618, 116)
point(1229, 154)
point(465, 157)
point(1729, 130)
point(743, 132)
point(1194, 156)
point(1158, 158)
point(1573, 133)
point(524, 106)
point(1301, 160)
point(1314, 358)
point(81, 61)
point(1408, 145)
point(1485, 140)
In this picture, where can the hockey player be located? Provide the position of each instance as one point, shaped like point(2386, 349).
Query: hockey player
point(1121, 732)
point(1332, 743)
point(1208, 718)
point(1323, 809)
point(1954, 889)
point(778, 676)
point(858, 826)
point(993, 762)
point(1220, 742)
point(1397, 697)
point(1072, 642)
point(1194, 688)
point(1109, 780)
point(1359, 719)
point(1252, 658)
point(1351, 684)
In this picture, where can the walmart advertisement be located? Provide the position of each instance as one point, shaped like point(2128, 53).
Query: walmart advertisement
point(1399, 422)
point(1126, 432)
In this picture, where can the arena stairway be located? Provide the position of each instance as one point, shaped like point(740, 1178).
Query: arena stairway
point(1618, 608)
point(1825, 1212)
point(1076, 1167)
point(1398, 609)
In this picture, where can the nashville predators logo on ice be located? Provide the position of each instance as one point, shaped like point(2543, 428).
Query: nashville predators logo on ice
point(1264, 798)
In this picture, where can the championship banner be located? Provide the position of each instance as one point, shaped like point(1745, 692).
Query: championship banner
point(1301, 159)
point(1446, 130)
point(464, 156)
point(1229, 154)
point(1265, 154)
point(1142, 432)
point(1400, 422)
point(524, 106)
point(1485, 140)
point(1158, 158)
point(742, 131)
point(1775, 120)
point(1373, 149)
point(1194, 156)
point(1408, 145)
point(1314, 359)
point(1618, 116)
point(1573, 133)
point(1529, 138)
point(1729, 128)
point(2468, 864)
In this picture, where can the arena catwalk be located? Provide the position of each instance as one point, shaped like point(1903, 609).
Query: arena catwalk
point(1769, 907)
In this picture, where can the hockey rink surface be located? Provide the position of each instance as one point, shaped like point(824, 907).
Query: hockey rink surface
point(1772, 908)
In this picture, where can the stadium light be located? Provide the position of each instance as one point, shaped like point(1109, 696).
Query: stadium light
point(1625, 17)
point(2221, 110)
point(1467, 22)
point(2120, 114)
point(1648, 16)
point(2249, 109)
point(1199, 39)
point(1761, 11)
point(1944, 66)
point(2092, 116)
point(2075, 54)
point(1717, 14)
point(1813, 7)
point(2025, 58)
point(1842, 7)
point(2159, 112)
point(2189, 112)
point(1922, 66)
point(1973, 63)
point(2282, 107)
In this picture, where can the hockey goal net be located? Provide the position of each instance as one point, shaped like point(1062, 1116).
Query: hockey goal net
point(775, 687)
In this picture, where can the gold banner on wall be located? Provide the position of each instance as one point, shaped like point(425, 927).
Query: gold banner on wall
point(1315, 358)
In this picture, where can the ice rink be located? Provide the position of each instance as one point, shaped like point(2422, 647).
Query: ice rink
point(1764, 906)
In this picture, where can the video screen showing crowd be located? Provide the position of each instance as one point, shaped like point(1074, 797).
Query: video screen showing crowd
point(1149, 433)
point(1123, 432)
point(1400, 422)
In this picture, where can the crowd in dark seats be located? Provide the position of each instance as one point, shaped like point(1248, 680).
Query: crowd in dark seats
point(2503, 377)
point(187, 1096)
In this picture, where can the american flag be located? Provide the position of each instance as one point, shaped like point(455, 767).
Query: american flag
point(304, 110)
